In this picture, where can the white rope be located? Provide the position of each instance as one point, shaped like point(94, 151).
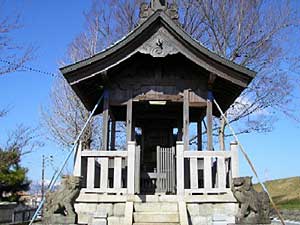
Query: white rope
point(57, 174)
point(249, 162)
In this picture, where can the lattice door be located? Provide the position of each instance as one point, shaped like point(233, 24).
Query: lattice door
point(165, 182)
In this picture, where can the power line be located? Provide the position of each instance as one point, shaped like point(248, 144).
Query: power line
point(28, 68)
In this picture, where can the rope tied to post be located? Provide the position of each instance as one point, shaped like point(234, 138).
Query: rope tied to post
point(249, 162)
point(74, 148)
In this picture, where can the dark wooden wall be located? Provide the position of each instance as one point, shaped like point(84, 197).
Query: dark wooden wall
point(145, 78)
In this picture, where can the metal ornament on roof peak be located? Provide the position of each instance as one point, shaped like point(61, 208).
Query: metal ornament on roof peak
point(146, 10)
point(158, 4)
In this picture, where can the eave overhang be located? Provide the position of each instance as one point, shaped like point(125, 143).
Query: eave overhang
point(99, 64)
point(127, 46)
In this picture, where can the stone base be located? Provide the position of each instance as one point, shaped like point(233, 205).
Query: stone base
point(54, 224)
point(208, 210)
point(249, 223)
point(59, 219)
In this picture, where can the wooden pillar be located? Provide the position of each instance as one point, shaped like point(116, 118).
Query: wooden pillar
point(113, 135)
point(179, 132)
point(133, 129)
point(129, 121)
point(105, 122)
point(186, 120)
point(209, 122)
point(199, 135)
point(221, 133)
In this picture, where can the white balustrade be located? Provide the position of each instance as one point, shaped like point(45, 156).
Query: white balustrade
point(111, 172)
point(209, 172)
point(118, 172)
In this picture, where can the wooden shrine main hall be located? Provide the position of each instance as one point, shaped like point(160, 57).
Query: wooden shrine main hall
point(158, 80)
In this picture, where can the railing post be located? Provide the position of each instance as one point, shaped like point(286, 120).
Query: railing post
point(77, 160)
point(137, 169)
point(90, 179)
point(234, 159)
point(221, 173)
point(180, 167)
point(117, 173)
point(207, 174)
point(131, 167)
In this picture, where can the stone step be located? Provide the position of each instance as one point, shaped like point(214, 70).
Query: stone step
point(156, 224)
point(115, 220)
point(156, 207)
point(156, 217)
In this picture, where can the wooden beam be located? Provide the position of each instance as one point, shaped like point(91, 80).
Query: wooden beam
point(158, 97)
point(212, 78)
point(105, 121)
point(186, 119)
point(199, 135)
point(129, 121)
point(113, 135)
point(197, 104)
point(209, 122)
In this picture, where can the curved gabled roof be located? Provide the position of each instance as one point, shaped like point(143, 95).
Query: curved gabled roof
point(186, 45)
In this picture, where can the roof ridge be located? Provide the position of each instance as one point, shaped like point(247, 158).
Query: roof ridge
point(172, 26)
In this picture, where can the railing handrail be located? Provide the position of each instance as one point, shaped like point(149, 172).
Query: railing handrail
point(93, 153)
point(101, 150)
point(201, 154)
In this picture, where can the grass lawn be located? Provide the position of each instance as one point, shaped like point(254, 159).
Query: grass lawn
point(292, 204)
point(285, 192)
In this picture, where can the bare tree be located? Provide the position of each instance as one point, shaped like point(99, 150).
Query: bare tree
point(12, 56)
point(23, 139)
point(251, 33)
point(3, 112)
point(106, 22)
point(66, 115)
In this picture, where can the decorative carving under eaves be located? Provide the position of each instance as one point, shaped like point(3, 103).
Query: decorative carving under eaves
point(159, 45)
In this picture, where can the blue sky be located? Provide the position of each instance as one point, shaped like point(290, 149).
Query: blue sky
point(51, 26)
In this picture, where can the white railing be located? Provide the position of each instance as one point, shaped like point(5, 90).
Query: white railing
point(113, 172)
point(205, 171)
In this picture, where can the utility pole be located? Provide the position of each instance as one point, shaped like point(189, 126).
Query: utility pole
point(43, 181)
point(44, 159)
